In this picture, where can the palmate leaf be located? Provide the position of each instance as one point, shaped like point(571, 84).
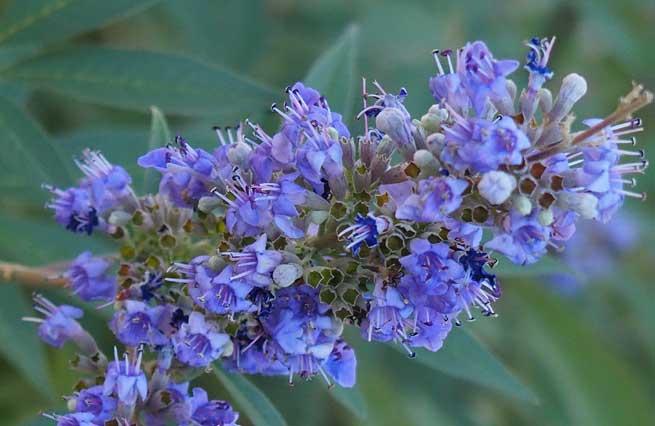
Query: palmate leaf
point(249, 399)
point(28, 156)
point(465, 357)
point(137, 80)
point(333, 73)
point(40, 22)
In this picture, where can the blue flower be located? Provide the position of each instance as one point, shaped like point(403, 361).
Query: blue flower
point(108, 184)
point(88, 277)
point(386, 317)
point(74, 209)
point(139, 323)
point(74, 419)
point(92, 400)
point(200, 342)
point(60, 323)
point(210, 413)
point(320, 160)
point(253, 209)
point(483, 76)
point(341, 365)
point(365, 230)
point(524, 240)
point(255, 264)
point(447, 86)
point(482, 146)
point(428, 200)
point(126, 380)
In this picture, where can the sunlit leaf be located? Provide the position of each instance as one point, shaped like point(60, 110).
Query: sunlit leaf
point(465, 357)
point(50, 21)
point(252, 402)
point(333, 73)
point(137, 80)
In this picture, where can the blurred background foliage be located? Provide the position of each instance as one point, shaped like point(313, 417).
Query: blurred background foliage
point(77, 74)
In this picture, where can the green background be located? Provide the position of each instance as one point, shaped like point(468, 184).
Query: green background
point(73, 74)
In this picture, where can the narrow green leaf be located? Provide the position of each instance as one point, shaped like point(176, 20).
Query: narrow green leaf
point(333, 73)
point(21, 346)
point(351, 399)
point(137, 80)
point(28, 156)
point(51, 21)
point(465, 357)
point(252, 402)
point(160, 135)
point(593, 383)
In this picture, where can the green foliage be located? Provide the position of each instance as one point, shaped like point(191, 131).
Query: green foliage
point(249, 399)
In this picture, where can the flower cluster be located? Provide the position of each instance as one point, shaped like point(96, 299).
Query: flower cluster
point(254, 257)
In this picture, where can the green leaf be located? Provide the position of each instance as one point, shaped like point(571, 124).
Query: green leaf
point(28, 156)
point(465, 357)
point(546, 265)
point(333, 73)
point(351, 399)
point(21, 346)
point(594, 384)
point(252, 402)
point(51, 21)
point(137, 80)
point(160, 135)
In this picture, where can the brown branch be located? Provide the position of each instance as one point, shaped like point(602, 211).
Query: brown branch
point(30, 276)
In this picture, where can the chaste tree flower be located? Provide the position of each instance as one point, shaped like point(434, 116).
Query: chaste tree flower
point(255, 256)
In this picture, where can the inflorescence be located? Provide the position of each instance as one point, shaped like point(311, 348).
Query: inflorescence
point(257, 254)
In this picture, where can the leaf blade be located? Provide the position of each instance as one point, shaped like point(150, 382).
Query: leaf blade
point(36, 21)
point(253, 402)
point(333, 73)
point(351, 399)
point(465, 357)
point(137, 79)
point(160, 135)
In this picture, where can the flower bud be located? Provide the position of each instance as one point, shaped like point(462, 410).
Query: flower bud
point(394, 123)
point(208, 204)
point(238, 154)
point(119, 218)
point(573, 88)
point(496, 186)
point(522, 204)
point(333, 133)
point(286, 274)
point(428, 164)
point(546, 217)
point(584, 204)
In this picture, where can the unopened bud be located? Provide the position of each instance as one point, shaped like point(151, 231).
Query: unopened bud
point(426, 161)
point(546, 217)
point(286, 274)
point(119, 218)
point(584, 204)
point(496, 186)
point(208, 204)
point(573, 88)
point(238, 154)
point(522, 204)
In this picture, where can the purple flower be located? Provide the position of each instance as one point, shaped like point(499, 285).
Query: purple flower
point(387, 314)
point(108, 184)
point(256, 208)
point(170, 404)
point(483, 76)
point(341, 365)
point(74, 209)
point(482, 146)
point(200, 342)
point(447, 86)
point(428, 200)
point(126, 380)
point(187, 173)
point(210, 413)
point(273, 154)
point(92, 400)
point(139, 323)
point(255, 264)
point(60, 323)
point(319, 161)
point(74, 419)
point(365, 230)
point(218, 293)
point(89, 279)
point(524, 239)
